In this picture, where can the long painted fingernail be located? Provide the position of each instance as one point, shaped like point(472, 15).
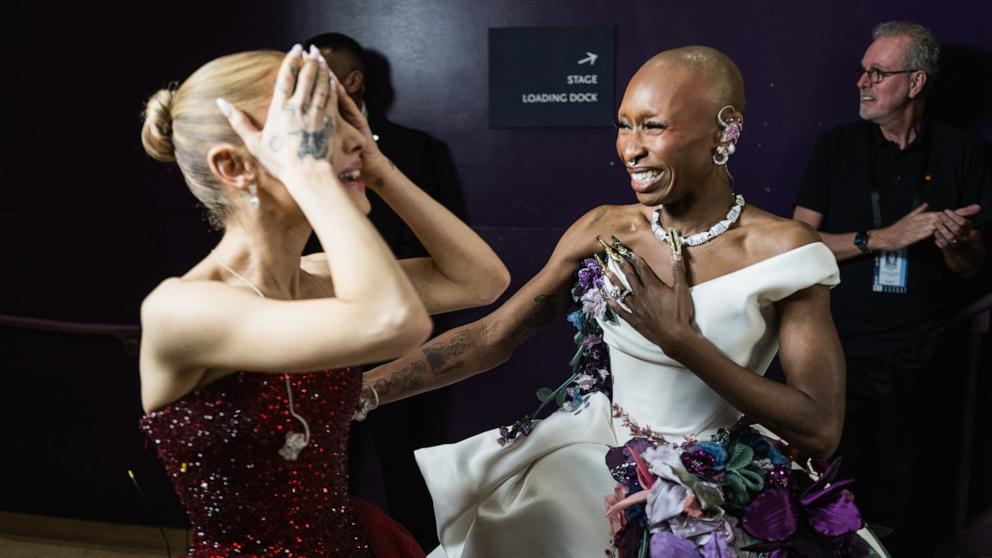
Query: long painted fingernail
point(296, 50)
point(622, 249)
point(224, 107)
point(675, 239)
point(314, 51)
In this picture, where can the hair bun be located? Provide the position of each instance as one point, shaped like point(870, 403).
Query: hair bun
point(156, 134)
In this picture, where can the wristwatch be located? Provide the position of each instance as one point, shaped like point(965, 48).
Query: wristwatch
point(861, 241)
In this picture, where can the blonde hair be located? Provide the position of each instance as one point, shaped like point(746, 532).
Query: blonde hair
point(182, 123)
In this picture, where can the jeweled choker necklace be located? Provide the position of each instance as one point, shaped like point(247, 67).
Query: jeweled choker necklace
point(700, 237)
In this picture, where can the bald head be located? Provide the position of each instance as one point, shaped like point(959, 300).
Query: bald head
point(718, 78)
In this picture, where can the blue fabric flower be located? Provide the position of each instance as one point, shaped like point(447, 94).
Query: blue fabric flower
point(575, 318)
point(718, 452)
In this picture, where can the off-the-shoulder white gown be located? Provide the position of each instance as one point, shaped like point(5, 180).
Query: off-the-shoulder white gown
point(542, 495)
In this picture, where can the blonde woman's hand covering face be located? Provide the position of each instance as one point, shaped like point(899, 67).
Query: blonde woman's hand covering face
point(301, 120)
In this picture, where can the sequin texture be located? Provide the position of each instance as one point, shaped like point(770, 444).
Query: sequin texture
point(220, 446)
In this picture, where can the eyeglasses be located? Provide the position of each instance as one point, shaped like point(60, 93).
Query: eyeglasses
point(876, 76)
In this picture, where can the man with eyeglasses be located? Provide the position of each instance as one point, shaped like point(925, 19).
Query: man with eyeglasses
point(900, 199)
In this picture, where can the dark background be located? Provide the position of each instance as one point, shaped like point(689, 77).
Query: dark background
point(89, 224)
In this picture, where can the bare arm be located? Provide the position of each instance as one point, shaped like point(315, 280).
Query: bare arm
point(462, 270)
point(963, 248)
point(915, 226)
point(486, 343)
point(190, 326)
point(842, 245)
point(807, 410)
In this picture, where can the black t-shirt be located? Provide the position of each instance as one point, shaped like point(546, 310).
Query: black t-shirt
point(838, 182)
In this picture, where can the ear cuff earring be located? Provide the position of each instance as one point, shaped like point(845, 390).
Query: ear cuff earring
point(728, 139)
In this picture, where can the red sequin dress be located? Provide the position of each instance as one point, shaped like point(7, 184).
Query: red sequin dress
point(220, 445)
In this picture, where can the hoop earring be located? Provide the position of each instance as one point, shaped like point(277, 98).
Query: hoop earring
point(731, 133)
point(253, 200)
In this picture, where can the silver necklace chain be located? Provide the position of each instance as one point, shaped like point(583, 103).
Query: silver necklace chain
point(294, 442)
point(700, 237)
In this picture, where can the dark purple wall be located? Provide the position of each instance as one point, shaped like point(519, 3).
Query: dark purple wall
point(89, 224)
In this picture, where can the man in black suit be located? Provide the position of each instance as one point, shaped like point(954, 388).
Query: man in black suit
point(401, 427)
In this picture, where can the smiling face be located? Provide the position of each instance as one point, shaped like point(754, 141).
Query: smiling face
point(667, 132)
point(881, 102)
point(349, 144)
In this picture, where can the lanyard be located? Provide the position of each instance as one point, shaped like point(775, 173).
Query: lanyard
point(876, 208)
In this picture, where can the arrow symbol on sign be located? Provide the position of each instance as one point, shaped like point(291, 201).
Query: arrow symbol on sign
point(590, 58)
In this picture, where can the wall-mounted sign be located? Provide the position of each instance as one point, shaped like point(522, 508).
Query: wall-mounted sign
point(551, 77)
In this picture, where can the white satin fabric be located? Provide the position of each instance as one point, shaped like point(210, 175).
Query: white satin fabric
point(542, 495)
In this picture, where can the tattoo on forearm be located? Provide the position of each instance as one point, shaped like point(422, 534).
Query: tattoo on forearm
point(548, 308)
point(379, 183)
point(440, 359)
point(314, 144)
point(406, 380)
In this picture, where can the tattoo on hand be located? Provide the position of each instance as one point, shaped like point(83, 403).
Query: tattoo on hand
point(314, 144)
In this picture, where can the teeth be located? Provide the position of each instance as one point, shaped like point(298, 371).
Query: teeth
point(645, 176)
point(353, 175)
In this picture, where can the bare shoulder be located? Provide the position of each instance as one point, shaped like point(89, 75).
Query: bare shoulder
point(162, 311)
point(163, 301)
point(604, 221)
point(769, 235)
point(178, 303)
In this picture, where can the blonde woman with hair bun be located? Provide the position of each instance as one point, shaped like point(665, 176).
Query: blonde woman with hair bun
point(248, 364)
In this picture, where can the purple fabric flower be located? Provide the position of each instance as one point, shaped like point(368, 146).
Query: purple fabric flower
point(590, 341)
point(771, 516)
point(692, 527)
point(585, 382)
point(590, 275)
point(778, 476)
point(668, 545)
point(835, 516)
point(717, 547)
point(699, 462)
point(593, 304)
